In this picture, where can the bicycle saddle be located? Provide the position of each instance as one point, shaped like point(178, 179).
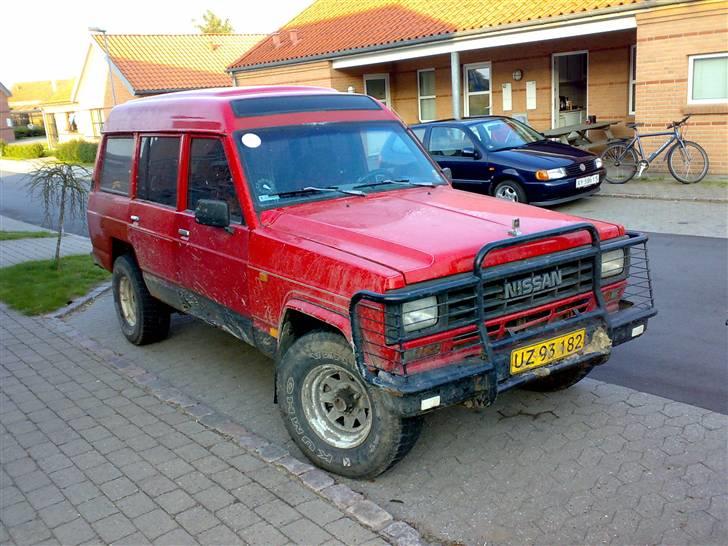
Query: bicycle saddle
point(633, 125)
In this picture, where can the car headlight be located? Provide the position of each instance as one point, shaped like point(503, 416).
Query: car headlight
point(419, 314)
point(551, 174)
point(598, 163)
point(612, 263)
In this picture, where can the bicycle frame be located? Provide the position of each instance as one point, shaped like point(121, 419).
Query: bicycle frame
point(674, 135)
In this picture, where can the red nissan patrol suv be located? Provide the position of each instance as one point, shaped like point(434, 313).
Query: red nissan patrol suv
point(312, 225)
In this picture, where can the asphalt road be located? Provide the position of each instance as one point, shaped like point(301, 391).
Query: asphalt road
point(683, 354)
point(17, 204)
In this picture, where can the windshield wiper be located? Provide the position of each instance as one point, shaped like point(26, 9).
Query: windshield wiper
point(313, 189)
point(396, 182)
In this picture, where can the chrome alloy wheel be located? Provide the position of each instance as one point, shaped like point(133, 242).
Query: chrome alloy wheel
point(337, 406)
point(127, 301)
point(507, 192)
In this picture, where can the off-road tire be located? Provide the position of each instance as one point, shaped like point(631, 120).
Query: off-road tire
point(512, 187)
point(152, 316)
point(563, 380)
point(390, 437)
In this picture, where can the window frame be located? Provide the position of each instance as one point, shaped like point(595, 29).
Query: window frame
point(421, 97)
point(387, 90)
point(131, 188)
point(185, 182)
point(691, 68)
point(181, 169)
point(632, 104)
point(467, 93)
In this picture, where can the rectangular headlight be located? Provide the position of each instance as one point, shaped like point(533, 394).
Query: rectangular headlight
point(419, 314)
point(612, 263)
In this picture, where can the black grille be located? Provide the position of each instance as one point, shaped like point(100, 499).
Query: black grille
point(575, 278)
point(575, 169)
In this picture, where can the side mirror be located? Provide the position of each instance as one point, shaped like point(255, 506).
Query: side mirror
point(448, 173)
point(471, 152)
point(210, 212)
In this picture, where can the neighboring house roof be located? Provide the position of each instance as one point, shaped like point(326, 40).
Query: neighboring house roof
point(36, 94)
point(328, 27)
point(4, 90)
point(155, 63)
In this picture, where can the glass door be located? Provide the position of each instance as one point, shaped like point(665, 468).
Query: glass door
point(377, 86)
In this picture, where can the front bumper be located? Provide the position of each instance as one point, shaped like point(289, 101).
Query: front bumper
point(483, 375)
point(563, 190)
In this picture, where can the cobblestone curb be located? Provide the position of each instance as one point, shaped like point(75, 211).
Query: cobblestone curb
point(364, 511)
point(80, 302)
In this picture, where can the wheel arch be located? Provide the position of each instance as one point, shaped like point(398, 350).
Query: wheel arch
point(300, 317)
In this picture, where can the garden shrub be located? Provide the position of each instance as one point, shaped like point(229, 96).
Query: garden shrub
point(76, 151)
point(23, 151)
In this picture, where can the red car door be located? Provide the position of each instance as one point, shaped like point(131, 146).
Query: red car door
point(213, 260)
point(153, 210)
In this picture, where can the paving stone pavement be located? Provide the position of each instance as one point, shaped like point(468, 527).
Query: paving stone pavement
point(88, 456)
point(21, 250)
point(597, 463)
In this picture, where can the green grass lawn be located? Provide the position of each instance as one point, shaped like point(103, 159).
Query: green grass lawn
point(13, 235)
point(34, 288)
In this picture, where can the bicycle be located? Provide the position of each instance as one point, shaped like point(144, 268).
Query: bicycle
point(687, 161)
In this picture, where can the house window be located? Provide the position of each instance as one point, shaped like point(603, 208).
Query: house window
point(632, 79)
point(708, 78)
point(426, 94)
point(97, 122)
point(477, 89)
point(71, 126)
point(377, 86)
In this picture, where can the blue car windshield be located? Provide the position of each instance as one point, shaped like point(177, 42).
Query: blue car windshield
point(502, 133)
point(296, 163)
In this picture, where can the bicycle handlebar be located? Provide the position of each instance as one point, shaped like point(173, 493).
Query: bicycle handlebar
point(678, 123)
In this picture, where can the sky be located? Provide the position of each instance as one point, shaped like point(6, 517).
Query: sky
point(51, 42)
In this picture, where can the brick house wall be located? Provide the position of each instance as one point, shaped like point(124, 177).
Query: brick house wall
point(665, 39)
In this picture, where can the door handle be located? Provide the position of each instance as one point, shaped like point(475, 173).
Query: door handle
point(183, 232)
point(134, 218)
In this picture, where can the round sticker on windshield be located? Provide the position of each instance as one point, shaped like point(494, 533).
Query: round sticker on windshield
point(251, 140)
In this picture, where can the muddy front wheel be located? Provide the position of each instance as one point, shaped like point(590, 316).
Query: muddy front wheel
point(338, 421)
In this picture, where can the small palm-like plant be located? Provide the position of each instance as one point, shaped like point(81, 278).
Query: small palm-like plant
point(62, 187)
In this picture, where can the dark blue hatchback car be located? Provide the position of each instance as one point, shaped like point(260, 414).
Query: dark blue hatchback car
point(503, 157)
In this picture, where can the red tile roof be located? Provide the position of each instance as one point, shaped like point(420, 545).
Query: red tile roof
point(331, 26)
point(153, 63)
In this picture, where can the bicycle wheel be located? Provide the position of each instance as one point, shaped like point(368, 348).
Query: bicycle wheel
point(620, 163)
point(688, 165)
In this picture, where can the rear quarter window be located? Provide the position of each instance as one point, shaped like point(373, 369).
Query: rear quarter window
point(116, 165)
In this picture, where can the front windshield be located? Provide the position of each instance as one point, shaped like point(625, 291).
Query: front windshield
point(296, 163)
point(501, 133)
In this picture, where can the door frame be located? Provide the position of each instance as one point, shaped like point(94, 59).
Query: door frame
point(554, 110)
point(380, 76)
point(466, 94)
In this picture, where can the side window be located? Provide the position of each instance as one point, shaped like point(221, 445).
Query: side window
point(448, 141)
point(157, 172)
point(210, 177)
point(420, 133)
point(116, 165)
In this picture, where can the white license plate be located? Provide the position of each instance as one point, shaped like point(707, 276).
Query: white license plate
point(587, 181)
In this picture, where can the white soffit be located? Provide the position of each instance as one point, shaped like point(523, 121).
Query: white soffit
point(484, 42)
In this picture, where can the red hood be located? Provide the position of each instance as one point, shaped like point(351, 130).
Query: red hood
point(426, 233)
